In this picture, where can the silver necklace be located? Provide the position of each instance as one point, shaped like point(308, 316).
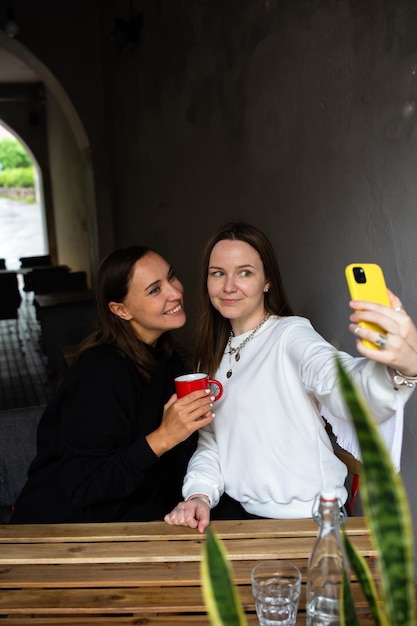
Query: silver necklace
point(237, 351)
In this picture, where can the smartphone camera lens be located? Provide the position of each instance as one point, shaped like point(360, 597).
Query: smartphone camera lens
point(359, 274)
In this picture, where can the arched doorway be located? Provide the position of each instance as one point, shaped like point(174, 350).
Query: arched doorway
point(46, 121)
point(22, 217)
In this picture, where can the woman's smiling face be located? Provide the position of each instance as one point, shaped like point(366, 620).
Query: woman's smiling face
point(154, 301)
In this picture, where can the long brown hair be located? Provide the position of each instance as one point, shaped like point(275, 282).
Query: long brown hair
point(212, 328)
point(113, 281)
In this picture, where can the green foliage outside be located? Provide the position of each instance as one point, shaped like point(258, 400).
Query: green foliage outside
point(19, 177)
point(13, 155)
point(16, 168)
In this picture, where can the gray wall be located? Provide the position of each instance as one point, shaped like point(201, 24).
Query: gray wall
point(298, 116)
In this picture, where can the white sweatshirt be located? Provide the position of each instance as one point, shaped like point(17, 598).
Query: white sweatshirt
point(267, 447)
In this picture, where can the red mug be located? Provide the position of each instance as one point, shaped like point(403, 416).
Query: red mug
point(192, 382)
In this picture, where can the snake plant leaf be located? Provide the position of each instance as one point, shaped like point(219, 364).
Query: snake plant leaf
point(219, 591)
point(348, 616)
point(386, 509)
point(366, 581)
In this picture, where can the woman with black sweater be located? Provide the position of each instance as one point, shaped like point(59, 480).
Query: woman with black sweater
point(114, 441)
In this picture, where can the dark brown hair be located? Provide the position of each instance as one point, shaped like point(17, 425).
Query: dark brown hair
point(213, 329)
point(113, 281)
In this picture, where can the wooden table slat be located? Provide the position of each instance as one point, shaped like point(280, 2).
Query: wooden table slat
point(125, 600)
point(156, 531)
point(145, 552)
point(139, 619)
point(124, 575)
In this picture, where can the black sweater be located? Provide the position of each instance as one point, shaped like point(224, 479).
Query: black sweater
point(93, 462)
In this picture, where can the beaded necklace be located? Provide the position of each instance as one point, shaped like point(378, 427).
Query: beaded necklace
point(237, 351)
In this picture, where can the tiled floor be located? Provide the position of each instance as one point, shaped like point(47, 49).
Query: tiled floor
point(23, 375)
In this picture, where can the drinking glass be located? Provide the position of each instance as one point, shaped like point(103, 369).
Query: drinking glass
point(276, 587)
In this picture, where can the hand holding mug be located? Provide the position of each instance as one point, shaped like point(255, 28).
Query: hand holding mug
point(184, 415)
point(193, 382)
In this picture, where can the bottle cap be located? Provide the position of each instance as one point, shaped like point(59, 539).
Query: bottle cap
point(328, 496)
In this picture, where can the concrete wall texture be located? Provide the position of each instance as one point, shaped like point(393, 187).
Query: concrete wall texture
point(299, 116)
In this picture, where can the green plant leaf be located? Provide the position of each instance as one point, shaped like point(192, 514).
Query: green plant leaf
point(366, 581)
point(349, 616)
point(386, 508)
point(219, 591)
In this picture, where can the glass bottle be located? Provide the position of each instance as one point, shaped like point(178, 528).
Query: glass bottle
point(326, 564)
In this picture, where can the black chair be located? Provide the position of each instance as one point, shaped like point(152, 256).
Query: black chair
point(74, 281)
point(44, 279)
point(10, 298)
point(35, 261)
point(18, 428)
point(54, 281)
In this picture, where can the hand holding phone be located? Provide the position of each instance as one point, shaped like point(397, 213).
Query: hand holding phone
point(366, 282)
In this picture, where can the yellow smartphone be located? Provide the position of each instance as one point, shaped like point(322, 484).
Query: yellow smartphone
point(366, 282)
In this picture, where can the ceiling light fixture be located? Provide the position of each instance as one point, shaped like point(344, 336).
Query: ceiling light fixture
point(11, 28)
point(124, 33)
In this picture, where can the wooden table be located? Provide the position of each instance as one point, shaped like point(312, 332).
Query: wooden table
point(144, 573)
